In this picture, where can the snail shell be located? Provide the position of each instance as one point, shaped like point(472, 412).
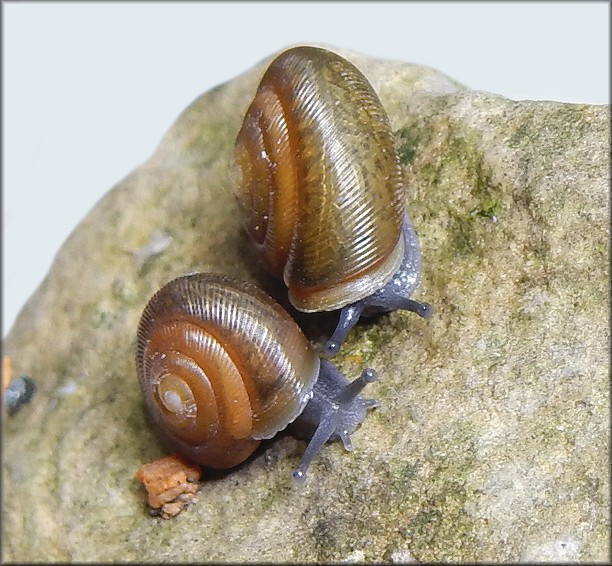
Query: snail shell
point(319, 185)
point(222, 366)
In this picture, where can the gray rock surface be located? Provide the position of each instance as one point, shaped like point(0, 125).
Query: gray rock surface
point(491, 442)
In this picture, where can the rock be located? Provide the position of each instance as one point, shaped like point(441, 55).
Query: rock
point(492, 439)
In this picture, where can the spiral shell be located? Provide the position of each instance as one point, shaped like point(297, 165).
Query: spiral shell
point(318, 180)
point(221, 366)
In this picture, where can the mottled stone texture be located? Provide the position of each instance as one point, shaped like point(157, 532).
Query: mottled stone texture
point(491, 442)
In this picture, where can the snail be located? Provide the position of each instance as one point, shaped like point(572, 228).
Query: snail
point(223, 366)
point(318, 182)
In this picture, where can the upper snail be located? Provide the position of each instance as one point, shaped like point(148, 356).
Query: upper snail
point(319, 185)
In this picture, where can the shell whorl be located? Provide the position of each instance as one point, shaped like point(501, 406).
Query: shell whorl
point(318, 180)
point(221, 365)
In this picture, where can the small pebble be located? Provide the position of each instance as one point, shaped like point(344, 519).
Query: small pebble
point(18, 392)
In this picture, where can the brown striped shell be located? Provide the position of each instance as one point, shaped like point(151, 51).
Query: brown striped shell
point(221, 366)
point(318, 180)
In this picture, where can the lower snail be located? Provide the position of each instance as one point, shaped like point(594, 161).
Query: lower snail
point(319, 185)
point(222, 366)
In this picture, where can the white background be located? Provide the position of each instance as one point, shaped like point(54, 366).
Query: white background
point(90, 88)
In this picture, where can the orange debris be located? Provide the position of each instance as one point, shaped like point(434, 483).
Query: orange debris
point(171, 483)
point(6, 371)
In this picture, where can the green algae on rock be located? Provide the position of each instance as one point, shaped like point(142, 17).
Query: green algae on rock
point(492, 439)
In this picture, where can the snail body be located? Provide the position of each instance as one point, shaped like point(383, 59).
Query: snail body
point(319, 185)
point(222, 366)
